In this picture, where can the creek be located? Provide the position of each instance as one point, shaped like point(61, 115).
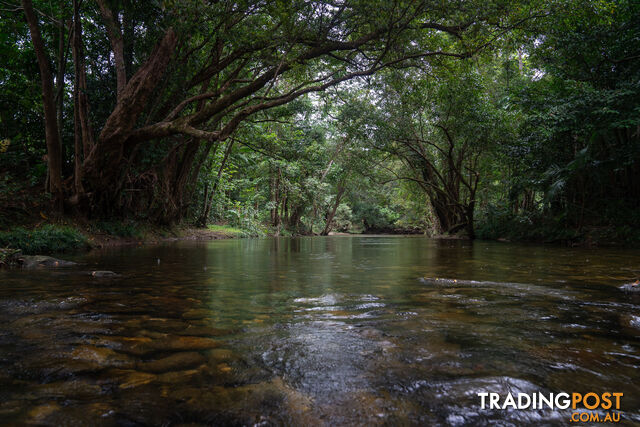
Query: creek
point(317, 330)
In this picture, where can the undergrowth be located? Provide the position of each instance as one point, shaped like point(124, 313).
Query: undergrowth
point(497, 223)
point(48, 238)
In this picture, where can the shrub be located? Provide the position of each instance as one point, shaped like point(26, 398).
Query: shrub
point(46, 239)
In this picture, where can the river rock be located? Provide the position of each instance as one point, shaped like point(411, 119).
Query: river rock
point(181, 343)
point(42, 414)
point(630, 287)
point(177, 361)
point(224, 368)
point(253, 404)
point(41, 261)
point(59, 366)
point(53, 414)
point(163, 324)
point(43, 307)
point(631, 323)
point(104, 274)
point(221, 354)
point(98, 413)
point(197, 313)
point(178, 377)
point(101, 356)
point(136, 379)
point(10, 407)
point(205, 331)
point(141, 346)
point(69, 389)
point(9, 257)
point(153, 334)
point(138, 346)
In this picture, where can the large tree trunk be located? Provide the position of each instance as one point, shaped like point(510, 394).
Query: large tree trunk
point(105, 165)
point(83, 133)
point(54, 155)
point(176, 175)
point(275, 199)
point(117, 46)
point(60, 75)
point(294, 218)
point(81, 84)
point(332, 214)
point(469, 226)
point(180, 175)
point(285, 208)
point(206, 207)
point(128, 34)
point(452, 208)
point(204, 215)
point(452, 216)
point(208, 202)
point(77, 152)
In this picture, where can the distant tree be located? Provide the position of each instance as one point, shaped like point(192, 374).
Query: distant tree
point(442, 129)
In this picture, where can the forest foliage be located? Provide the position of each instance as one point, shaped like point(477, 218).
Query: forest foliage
point(493, 119)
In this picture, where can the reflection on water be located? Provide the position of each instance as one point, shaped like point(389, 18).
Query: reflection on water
point(337, 330)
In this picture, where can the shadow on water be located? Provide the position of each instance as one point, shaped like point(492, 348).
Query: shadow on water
point(337, 330)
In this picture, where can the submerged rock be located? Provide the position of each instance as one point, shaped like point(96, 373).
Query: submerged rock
point(22, 307)
point(100, 274)
point(137, 346)
point(205, 331)
point(10, 408)
point(266, 403)
point(452, 282)
point(221, 354)
point(631, 322)
point(182, 343)
point(42, 414)
point(141, 346)
point(69, 389)
point(164, 325)
point(195, 314)
point(135, 379)
point(224, 368)
point(178, 377)
point(178, 361)
point(41, 261)
point(54, 414)
point(101, 356)
point(631, 287)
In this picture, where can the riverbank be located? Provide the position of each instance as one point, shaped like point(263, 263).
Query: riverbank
point(62, 237)
point(157, 235)
point(623, 236)
point(57, 238)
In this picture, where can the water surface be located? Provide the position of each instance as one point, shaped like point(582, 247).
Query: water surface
point(337, 330)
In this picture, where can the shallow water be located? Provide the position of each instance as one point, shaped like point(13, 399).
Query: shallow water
point(336, 330)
